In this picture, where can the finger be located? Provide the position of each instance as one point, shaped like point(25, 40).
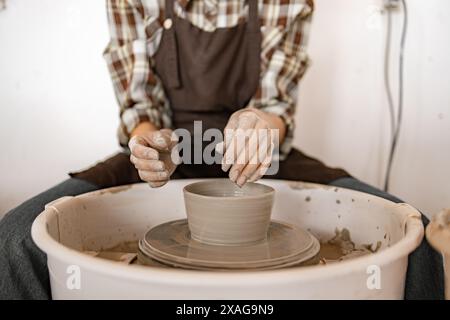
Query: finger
point(264, 145)
point(147, 165)
point(263, 167)
point(138, 147)
point(220, 147)
point(249, 171)
point(171, 137)
point(239, 121)
point(259, 173)
point(229, 129)
point(150, 176)
point(230, 152)
point(249, 156)
point(252, 157)
point(157, 184)
point(239, 163)
point(246, 122)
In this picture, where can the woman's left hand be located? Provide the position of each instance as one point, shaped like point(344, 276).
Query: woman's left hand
point(249, 140)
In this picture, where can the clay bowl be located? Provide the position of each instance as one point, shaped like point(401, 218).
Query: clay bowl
point(221, 213)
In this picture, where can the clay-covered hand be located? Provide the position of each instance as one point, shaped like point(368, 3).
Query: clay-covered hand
point(151, 155)
point(249, 141)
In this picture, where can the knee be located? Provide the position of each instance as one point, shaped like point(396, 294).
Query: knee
point(11, 236)
point(15, 227)
point(15, 234)
point(24, 270)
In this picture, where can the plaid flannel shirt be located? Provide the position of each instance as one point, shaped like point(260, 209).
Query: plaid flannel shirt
point(136, 29)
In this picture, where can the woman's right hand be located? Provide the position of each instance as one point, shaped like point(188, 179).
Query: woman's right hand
point(151, 155)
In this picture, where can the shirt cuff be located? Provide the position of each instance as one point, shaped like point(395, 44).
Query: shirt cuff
point(132, 117)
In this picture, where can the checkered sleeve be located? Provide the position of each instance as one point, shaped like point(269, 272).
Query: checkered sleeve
point(284, 61)
point(134, 34)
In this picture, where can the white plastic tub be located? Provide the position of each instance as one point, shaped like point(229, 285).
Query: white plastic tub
point(105, 218)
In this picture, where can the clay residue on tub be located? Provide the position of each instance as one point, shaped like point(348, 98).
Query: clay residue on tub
point(115, 190)
point(125, 253)
point(373, 247)
point(127, 246)
point(341, 247)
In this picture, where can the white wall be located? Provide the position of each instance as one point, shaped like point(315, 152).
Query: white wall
point(58, 112)
point(343, 113)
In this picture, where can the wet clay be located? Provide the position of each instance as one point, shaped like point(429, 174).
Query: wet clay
point(171, 243)
point(339, 248)
point(125, 252)
point(220, 212)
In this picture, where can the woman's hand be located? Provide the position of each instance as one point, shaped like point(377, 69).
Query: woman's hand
point(151, 155)
point(249, 141)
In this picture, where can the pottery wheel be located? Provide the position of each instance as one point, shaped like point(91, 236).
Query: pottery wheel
point(170, 243)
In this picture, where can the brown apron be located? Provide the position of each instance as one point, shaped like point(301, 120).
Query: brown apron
point(207, 76)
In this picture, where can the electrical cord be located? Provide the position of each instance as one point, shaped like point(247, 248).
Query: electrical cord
point(395, 125)
point(387, 67)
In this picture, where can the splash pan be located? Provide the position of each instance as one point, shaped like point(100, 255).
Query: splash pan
point(106, 218)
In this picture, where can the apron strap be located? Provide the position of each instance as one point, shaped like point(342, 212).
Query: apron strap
point(254, 38)
point(169, 9)
point(253, 16)
point(173, 80)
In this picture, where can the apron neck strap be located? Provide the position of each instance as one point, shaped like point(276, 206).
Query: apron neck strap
point(172, 54)
point(253, 14)
point(169, 9)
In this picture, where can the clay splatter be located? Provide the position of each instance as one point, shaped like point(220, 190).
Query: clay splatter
point(371, 248)
point(341, 247)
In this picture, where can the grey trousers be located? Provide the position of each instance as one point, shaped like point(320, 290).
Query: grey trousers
point(23, 267)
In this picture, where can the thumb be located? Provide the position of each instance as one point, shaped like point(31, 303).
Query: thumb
point(170, 137)
point(158, 141)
